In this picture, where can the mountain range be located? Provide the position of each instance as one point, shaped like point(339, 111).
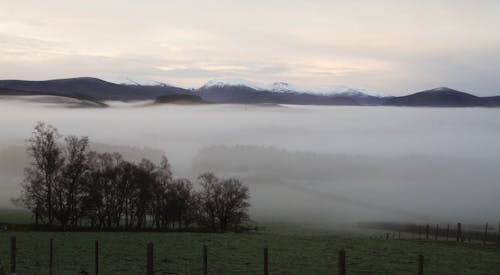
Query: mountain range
point(240, 92)
point(87, 87)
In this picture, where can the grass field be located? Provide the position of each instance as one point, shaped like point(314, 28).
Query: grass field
point(17, 216)
point(181, 253)
point(290, 252)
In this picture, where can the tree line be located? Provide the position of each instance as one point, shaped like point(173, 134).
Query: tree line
point(69, 186)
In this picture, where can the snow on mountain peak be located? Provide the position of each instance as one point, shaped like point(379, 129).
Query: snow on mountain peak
point(133, 82)
point(281, 87)
point(285, 87)
point(222, 82)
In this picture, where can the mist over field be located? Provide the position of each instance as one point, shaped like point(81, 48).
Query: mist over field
point(321, 165)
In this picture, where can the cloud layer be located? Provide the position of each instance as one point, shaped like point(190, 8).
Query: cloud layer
point(390, 46)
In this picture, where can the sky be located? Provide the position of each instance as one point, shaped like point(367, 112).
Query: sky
point(391, 46)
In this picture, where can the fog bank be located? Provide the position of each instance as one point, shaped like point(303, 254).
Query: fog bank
point(319, 164)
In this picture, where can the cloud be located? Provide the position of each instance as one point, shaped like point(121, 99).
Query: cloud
point(18, 46)
point(390, 46)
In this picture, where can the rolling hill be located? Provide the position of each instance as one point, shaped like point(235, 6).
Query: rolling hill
point(47, 97)
point(443, 97)
point(94, 88)
point(240, 92)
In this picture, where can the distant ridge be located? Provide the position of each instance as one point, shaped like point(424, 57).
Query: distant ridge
point(443, 97)
point(242, 92)
point(491, 101)
point(84, 100)
point(91, 88)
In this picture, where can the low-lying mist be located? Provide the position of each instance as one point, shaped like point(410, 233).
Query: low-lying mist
point(315, 165)
point(329, 188)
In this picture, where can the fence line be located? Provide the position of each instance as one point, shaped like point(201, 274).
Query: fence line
point(460, 236)
point(341, 259)
point(461, 233)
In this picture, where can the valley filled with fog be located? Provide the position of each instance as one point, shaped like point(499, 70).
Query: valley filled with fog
point(318, 165)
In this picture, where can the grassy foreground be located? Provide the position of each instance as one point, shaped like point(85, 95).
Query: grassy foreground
point(181, 253)
point(15, 216)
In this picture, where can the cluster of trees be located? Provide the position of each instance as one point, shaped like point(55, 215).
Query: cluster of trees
point(69, 186)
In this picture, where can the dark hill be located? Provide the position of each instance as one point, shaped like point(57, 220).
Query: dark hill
point(91, 88)
point(85, 101)
point(491, 101)
point(247, 95)
point(440, 97)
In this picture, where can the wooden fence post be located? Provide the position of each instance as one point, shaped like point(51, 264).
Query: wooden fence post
point(485, 238)
point(341, 263)
point(427, 232)
point(437, 232)
point(447, 232)
point(420, 265)
point(51, 256)
point(150, 268)
point(498, 237)
point(13, 251)
point(96, 257)
point(266, 262)
point(205, 260)
point(459, 232)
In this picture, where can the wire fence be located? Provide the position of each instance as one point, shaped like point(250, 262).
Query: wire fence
point(31, 255)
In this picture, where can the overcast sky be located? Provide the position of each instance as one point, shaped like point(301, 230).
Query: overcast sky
point(389, 46)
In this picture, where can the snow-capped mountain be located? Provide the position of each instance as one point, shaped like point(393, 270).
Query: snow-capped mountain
point(244, 91)
point(134, 82)
point(240, 92)
point(233, 82)
point(285, 87)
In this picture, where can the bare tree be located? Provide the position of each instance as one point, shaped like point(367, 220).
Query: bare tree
point(178, 197)
point(144, 182)
point(232, 205)
point(73, 176)
point(43, 172)
point(224, 203)
point(207, 197)
point(159, 203)
point(68, 185)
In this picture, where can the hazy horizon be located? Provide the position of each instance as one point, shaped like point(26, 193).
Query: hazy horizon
point(313, 89)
